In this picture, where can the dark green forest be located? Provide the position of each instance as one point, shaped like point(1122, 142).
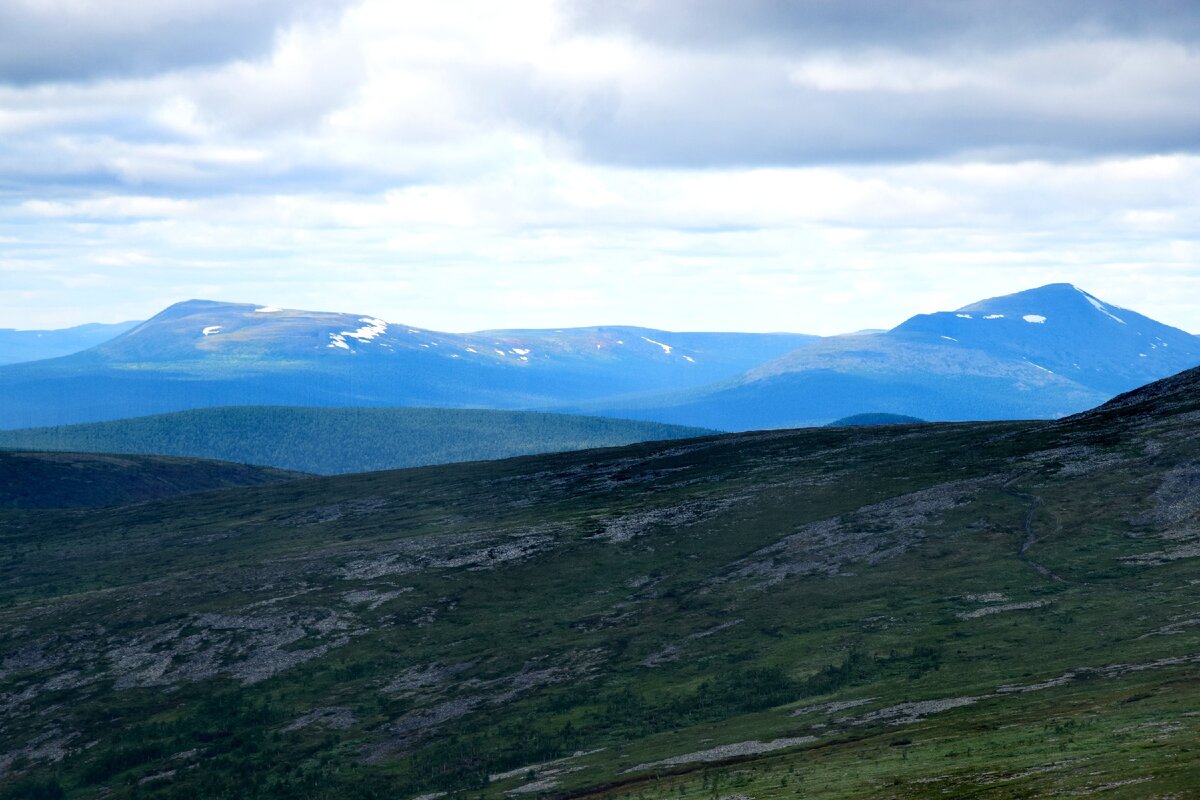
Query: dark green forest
point(331, 441)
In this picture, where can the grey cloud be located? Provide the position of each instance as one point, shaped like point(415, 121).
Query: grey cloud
point(1024, 79)
point(909, 25)
point(764, 120)
point(78, 42)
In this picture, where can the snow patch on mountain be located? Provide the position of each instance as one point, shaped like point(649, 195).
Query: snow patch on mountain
point(666, 347)
point(994, 316)
point(1037, 319)
point(211, 329)
point(372, 328)
point(1103, 309)
point(267, 310)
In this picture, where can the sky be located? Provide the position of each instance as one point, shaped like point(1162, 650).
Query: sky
point(817, 166)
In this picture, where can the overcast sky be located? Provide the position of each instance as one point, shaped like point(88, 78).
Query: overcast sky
point(818, 166)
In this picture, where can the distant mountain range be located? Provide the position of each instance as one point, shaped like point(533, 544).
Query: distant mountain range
point(201, 353)
point(18, 346)
point(1042, 353)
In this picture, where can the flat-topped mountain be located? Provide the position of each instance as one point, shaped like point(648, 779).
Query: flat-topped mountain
point(202, 353)
point(204, 330)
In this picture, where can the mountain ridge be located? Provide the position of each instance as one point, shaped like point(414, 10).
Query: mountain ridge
point(205, 353)
point(1042, 353)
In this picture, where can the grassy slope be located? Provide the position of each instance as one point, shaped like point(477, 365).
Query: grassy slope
point(331, 441)
point(82, 480)
point(390, 634)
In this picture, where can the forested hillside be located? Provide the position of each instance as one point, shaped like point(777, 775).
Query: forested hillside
point(328, 441)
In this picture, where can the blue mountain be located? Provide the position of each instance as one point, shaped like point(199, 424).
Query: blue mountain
point(17, 346)
point(1065, 330)
point(1042, 353)
point(202, 353)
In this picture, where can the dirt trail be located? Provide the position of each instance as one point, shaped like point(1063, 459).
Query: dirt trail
point(1034, 503)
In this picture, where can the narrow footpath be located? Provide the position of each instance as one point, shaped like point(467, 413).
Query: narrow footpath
point(1034, 503)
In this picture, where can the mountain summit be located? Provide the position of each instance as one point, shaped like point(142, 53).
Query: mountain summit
point(1065, 330)
point(1042, 353)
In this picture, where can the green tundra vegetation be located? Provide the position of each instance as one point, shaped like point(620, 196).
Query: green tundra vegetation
point(331, 441)
point(990, 610)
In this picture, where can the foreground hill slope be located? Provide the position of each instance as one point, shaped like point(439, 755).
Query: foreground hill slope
point(991, 610)
point(330, 441)
point(1043, 353)
point(202, 353)
point(86, 480)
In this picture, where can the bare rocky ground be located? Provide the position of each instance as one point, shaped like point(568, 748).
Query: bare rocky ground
point(1174, 512)
point(726, 751)
point(872, 534)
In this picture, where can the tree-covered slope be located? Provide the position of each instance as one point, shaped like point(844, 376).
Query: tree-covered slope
point(331, 441)
point(988, 610)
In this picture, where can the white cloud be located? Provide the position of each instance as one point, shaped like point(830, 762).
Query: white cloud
point(476, 165)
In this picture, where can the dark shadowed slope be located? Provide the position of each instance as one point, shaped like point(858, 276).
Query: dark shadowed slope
point(330, 441)
point(83, 480)
point(987, 610)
